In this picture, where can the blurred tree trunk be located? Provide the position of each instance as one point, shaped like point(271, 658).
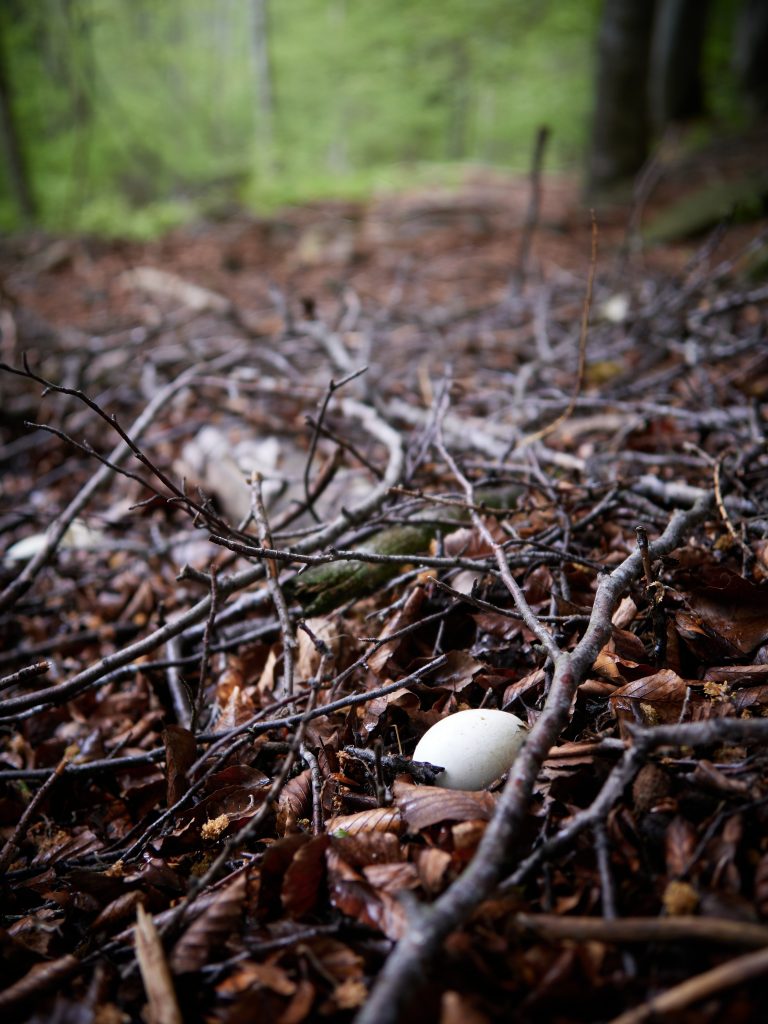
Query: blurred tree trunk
point(10, 141)
point(677, 83)
point(621, 130)
point(265, 94)
point(751, 52)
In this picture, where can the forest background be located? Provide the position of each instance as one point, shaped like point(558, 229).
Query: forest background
point(135, 115)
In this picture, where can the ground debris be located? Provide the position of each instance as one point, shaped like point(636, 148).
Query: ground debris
point(193, 771)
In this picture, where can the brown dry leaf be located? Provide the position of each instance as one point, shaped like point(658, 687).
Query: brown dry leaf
point(533, 681)
point(692, 629)
point(573, 753)
point(422, 806)
point(211, 929)
point(38, 979)
point(458, 672)
point(356, 898)
point(294, 802)
point(158, 984)
point(301, 881)
point(180, 754)
point(235, 803)
point(377, 819)
point(729, 605)
point(392, 878)
point(118, 911)
point(457, 1009)
point(432, 865)
point(370, 848)
point(596, 688)
point(38, 932)
point(65, 846)
point(266, 683)
point(723, 850)
point(710, 777)
point(625, 614)
point(628, 647)
point(236, 709)
point(501, 627)
point(466, 836)
point(300, 1004)
point(248, 973)
point(680, 842)
point(467, 542)
point(379, 661)
point(165, 284)
point(276, 861)
point(738, 676)
point(371, 713)
point(307, 655)
point(605, 665)
point(337, 958)
point(657, 699)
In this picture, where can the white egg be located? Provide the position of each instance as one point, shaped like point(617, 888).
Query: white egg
point(475, 747)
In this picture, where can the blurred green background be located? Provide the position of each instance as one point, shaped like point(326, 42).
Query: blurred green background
point(138, 114)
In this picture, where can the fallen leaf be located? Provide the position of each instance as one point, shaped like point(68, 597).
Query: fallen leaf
point(422, 806)
point(211, 929)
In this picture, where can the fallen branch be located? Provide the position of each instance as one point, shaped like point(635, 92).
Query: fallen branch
point(403, 974)
point(646, 929)
point(726, 975)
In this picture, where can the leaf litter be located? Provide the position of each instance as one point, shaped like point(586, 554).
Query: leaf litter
point(236, 807)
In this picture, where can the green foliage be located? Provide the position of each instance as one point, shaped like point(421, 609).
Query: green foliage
point(137, 113)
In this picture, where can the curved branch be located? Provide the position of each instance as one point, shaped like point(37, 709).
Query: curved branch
point(404, 971)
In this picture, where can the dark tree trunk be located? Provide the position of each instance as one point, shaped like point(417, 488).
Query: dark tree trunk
point(10, 143)
point(676, 83)
point(620, 132)
point(751, 52)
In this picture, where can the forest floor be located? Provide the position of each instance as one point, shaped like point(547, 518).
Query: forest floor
point(207, 805)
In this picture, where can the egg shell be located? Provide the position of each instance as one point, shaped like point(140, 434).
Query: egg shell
point(475, 747)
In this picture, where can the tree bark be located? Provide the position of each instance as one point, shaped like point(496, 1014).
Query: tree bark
point(620, 131)
point(676, 82)
point(751, 52)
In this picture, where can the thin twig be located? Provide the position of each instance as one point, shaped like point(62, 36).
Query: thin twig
point(229, 585)
point(734, 972)
point(287, 633)
point(404, 972)
point(333, 387)
point(13, 842)
point(646, 929)
point(539, 435)
point(316, 782)
point(21, 584)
